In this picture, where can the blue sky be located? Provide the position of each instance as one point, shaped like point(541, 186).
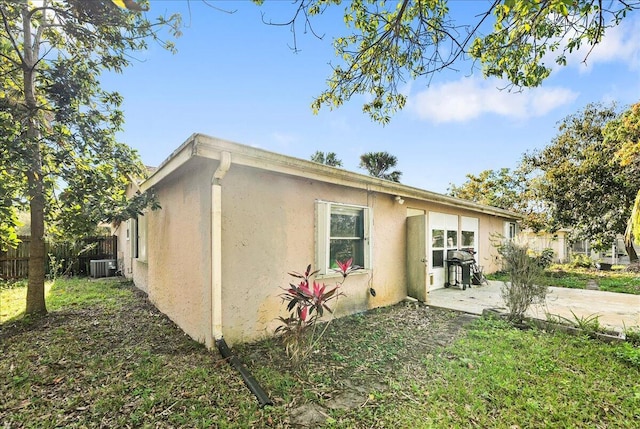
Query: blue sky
point(237, 79)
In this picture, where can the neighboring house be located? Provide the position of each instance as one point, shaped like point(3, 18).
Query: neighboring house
point(616, 254)
point(557, 241)
point(564, 248)
point(235, 220)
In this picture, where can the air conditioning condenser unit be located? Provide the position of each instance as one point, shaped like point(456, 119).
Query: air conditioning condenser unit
point(102, 268)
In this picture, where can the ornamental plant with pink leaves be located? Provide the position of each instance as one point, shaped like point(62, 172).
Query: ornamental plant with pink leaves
point(306, 303)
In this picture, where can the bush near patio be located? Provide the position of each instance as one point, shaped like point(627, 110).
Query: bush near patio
point(105, 357)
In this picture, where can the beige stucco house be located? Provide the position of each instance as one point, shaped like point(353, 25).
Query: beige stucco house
point(558, 241)
point(564, 248)
point(236, 219)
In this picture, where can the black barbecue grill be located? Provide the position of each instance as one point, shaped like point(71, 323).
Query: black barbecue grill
point(459, 264)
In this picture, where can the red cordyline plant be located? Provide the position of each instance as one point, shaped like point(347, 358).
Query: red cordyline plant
point(306, 303)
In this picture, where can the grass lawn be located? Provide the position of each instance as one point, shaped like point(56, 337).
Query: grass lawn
point(104, 357)
point(616, 280)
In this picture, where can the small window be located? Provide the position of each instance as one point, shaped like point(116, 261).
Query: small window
point(142, 238)
point(139, 238)
point(437, 247)
point(437, 238)
point(452, 239)
point(133, 223)
point(468, 239)
point(510, 230)
point(437, 258)
point(342, 233)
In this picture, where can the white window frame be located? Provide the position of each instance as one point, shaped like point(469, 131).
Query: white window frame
point(470, 224)
point(323, 229)
point(446, 223)
point(133, 235)
point(139, 238)
point(142, 238)
point(510, 231)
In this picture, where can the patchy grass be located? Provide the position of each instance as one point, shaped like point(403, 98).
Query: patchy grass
point(62, 293)
point(616, 280)
point(104, 357)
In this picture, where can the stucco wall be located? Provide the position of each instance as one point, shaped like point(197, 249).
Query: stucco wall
point(491, 227)
point(176, 273)
point(544, 240)
point(269, 230)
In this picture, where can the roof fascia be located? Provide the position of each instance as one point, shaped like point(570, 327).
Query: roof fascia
point(209, 147)
point(177, 158)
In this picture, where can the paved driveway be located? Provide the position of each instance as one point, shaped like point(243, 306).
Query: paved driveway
point(615, 310)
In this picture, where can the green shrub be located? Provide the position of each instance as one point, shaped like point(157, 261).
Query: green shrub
point(524, 287)
point(581, 261)
point(545, 258)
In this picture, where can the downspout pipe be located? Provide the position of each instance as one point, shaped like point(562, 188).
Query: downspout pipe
point(216, 244)
point(249, 381)
point(216, 282)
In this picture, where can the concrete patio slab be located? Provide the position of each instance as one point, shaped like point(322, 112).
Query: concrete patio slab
point(615, 310)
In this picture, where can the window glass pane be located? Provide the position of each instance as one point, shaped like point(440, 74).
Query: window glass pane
point(346, 222)
point(142, 238)
point(468, 239)
point(437, 258)
point(437, 238)
point(341, 250)
point(452, 239)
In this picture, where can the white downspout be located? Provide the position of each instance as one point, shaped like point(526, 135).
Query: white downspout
point(216, 244)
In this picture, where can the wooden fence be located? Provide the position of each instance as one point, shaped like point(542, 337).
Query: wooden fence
point(71, 258)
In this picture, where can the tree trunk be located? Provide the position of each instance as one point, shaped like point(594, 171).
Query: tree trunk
point(628, 246)
point(35, 287)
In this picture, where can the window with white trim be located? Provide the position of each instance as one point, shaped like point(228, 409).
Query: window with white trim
point(444, 237)
point(510, 230)
point(139, 238)
point(342, 233)
point(469, 233)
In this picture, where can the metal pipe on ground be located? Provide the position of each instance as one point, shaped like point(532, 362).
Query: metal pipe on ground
point(248, 379)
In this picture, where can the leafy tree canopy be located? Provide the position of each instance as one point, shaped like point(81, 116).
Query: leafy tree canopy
point(57, 125)
point(378, 164)
point(328, 158)
point(581, 178)
point(625, 132)
point(493, 188)
point(507, 189)
point(390, 42)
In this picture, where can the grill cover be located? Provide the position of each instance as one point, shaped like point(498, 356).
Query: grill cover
point(459, 256)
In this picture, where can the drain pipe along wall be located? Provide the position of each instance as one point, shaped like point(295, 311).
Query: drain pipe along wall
point(216, 282)
point(216, 245)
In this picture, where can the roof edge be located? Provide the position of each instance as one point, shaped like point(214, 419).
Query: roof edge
point(205, 146)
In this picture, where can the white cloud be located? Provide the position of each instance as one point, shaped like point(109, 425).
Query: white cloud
point(469, 98)
point(620, 44)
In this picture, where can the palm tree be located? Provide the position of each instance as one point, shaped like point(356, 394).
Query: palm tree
point(328, 158)
point(379, 163)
